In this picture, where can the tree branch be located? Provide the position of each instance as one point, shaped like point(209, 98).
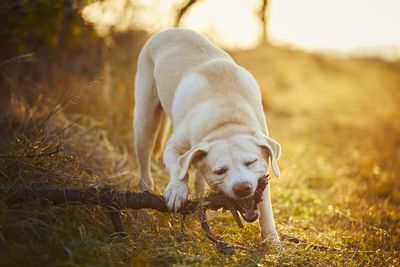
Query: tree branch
point(116, 201)
point(182, 11)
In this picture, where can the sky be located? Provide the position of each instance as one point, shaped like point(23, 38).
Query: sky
point(370, 27)
point(344, 25)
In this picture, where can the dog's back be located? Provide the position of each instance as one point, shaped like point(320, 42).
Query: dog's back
point(171, 54)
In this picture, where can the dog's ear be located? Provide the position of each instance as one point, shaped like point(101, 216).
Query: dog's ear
point(273, 148)
point(196, 153)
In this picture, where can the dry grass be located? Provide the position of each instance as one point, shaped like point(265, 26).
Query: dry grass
point(337, 121)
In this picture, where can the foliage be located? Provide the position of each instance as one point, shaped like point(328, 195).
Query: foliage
point(41, 25)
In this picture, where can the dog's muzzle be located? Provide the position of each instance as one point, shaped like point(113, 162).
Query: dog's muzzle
point(247, 207)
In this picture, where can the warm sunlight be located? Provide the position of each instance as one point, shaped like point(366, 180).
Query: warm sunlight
point(121, 145)
point(345, 26)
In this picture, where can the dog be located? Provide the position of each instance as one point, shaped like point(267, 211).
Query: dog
point(218, 122)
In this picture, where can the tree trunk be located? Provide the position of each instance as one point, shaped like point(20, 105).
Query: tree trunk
point(264, 21)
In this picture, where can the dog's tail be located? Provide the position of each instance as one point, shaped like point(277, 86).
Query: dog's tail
point(163, 133)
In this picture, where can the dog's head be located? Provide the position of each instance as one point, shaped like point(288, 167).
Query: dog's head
point(233, 166)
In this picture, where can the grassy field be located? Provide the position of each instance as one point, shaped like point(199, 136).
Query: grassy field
point(336, 119)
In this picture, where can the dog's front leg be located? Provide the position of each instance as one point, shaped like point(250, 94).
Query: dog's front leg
point(266, 220)
point(177, 189)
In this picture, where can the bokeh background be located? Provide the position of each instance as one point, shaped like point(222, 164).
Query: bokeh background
point(329, 72)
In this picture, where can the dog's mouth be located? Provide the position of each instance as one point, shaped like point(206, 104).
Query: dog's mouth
point(247, 208)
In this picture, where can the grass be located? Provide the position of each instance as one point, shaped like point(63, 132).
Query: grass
point(337, 121)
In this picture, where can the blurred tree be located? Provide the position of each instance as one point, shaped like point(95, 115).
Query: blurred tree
point(32, 25)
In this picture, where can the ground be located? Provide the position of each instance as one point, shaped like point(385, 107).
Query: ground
point(337, 122)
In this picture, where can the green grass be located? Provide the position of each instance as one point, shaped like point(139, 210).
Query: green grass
point(337, 121)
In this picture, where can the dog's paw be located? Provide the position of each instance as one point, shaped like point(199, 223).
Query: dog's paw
point(270, 237)
point(175, 195)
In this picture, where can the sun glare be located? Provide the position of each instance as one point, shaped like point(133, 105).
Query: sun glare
point(230, 23)
point(340, 25)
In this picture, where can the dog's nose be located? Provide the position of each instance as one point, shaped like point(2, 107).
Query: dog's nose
point(242, 189)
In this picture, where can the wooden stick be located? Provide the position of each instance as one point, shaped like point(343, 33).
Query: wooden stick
point(115, 201)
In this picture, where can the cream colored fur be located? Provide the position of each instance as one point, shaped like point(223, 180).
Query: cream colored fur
point(217, 117)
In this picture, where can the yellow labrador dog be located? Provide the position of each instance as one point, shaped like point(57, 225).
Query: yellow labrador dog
point(218, 122)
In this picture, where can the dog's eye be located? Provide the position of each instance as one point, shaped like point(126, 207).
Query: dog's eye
point(248, 163)
point(220, 171)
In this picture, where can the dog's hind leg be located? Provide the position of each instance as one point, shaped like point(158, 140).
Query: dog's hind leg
point(165, 125)
point(147, 115)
